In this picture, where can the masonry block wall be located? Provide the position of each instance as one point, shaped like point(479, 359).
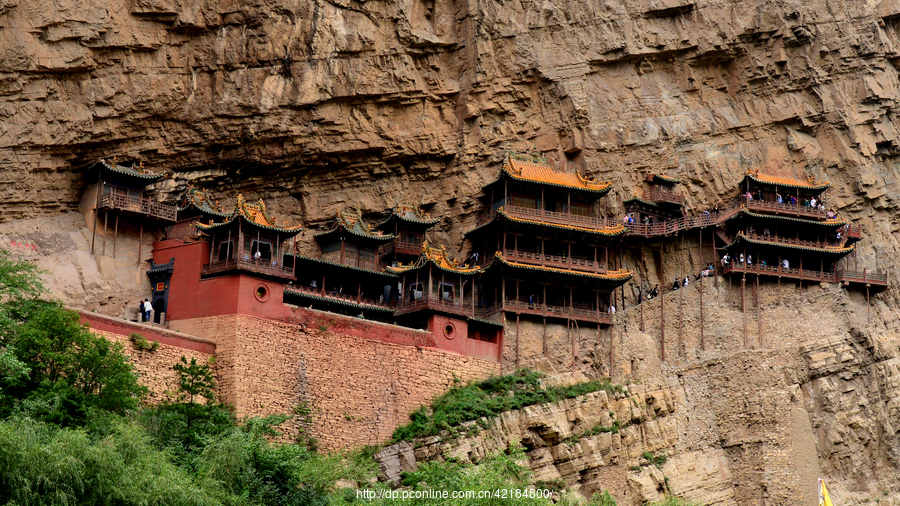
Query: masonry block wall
point(154, 367)
point(359, 389)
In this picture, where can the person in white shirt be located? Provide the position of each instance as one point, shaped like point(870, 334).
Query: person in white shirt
point(785, 264)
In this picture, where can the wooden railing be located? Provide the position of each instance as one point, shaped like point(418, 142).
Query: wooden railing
point(576, 312)
point(256, 266)
point(138, 205)
point(658, 194)
point(793, 241)
point(562, 262)
point(854, 231)
point(318, 292)
point(840, 276)
point(541, 215)
point(783, 208)
point(684, 223)
point(440, 304)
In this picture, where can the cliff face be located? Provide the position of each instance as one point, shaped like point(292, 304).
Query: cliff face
point(316, 105)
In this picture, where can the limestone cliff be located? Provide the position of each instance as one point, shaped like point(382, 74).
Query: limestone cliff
point(317, 104)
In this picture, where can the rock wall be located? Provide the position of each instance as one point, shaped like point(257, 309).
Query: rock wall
point(359, 390)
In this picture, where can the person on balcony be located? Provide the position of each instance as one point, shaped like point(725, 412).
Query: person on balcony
point(716, 211)
point(257, 256)
point(766, 232)
point(792, 201)
point(751, 230)
point(785, 265)
point(748, 196)
point(531, 301)
point(749, 259)
point(779, 199)
point(313, 284)
point(726, 260)
point(762, 262)
point(741, 261)
point(813, 203)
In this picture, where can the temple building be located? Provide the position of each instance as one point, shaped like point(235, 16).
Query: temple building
point(656, 204)
point(195, 206)
point(121, 192)
point(236, 267)
point(348, 277)
point(409, 226)
point(554, 254)
point(784, 229)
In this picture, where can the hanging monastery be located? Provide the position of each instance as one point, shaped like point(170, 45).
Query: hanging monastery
point(545, 254)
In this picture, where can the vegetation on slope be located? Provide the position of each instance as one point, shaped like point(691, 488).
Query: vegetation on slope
point(489, 398)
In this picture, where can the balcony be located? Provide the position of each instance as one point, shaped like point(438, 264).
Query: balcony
point(183, 230)
point(567, 219)
point(435, 303)
point(658, 194)
point(262, 267)
point(874, 279)
point(580, 313)
point(772, 207)
point(139, 206)
point(560, 262)
point(401, 248)
point(793, 241)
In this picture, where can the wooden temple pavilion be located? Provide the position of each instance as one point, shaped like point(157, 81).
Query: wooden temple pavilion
point(121, 191)
point(408, 225)
point(249, 241)
point(439, 290)
point(554, 253)
point(195, 206)
point(347, 278)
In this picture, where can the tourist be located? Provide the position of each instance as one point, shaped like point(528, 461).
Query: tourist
point(749, 259)
point(812, 202)
point(748, 196)
point(531, 301)
point(741, 261)
point(655, 291)
point(751, 230)
point(676, 285)
point(766, 232)
point(716, 210)
point(147, 308)
point(257, 256)
point(141, 310)
point(685, 282)
point(726, 260)
point(829, 214)
point(785, 265)
point(313, 284)
point(612, 309)
point(762, 262)
point(837, 237)
point(705, 213)
point(779, 198)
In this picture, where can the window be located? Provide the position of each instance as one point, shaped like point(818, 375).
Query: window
point(264, 248)
point(524, 201)
point(447, 291)
point(226, 250)
point(581, 209)
point(415, 291)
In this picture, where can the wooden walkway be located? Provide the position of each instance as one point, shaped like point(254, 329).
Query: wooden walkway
point(845, 277)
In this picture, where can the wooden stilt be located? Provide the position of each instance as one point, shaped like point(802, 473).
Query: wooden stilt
point(641, 288)
point(105, 228)
point(743, 312)
point(140, 243)
point(662, 305)
point(544, 338)
point(517, 341)
point(759, 313)
point(702, 341)
point(116, 235)
point(96, 210)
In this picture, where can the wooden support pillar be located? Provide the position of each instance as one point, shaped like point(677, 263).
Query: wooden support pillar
point(759, 313)
point(544, 337)
point(116, 235)
point(662, 304)
point(105, 221)
point(702, 341)
point(743, 300)
point(641, 288)
point(140, 243)
point(96, 210)
point(517, 341)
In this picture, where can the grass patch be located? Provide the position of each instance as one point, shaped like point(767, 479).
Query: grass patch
point(656, 460)
point(142, 342)
point(489, 398)
point(596, 430)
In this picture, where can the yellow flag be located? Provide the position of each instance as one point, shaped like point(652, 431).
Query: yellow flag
point(824, 498)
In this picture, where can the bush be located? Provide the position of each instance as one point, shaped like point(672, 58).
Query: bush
point(142, 343)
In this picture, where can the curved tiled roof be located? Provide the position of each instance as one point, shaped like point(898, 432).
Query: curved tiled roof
point(254, 214)
point(640, 201)
point(340, 302)
point(351, 222)
point(138, 172)
point(613, 231)
point(621, 275)
point(828, 249)
point(439, 258)
point(809, 184)
point(664, 179)
point(411, 214)
point(201, 201)
point(534, 172)
point(834, 222)
point(342, 266)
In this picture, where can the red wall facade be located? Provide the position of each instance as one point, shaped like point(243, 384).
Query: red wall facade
point(452, 334)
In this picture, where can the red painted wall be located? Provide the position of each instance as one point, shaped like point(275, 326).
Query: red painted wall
point(125, 328)
point(458, 340)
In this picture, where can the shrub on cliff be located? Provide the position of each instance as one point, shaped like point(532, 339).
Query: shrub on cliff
point(489, 398)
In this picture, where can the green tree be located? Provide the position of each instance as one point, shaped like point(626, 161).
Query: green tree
point(195, 380)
